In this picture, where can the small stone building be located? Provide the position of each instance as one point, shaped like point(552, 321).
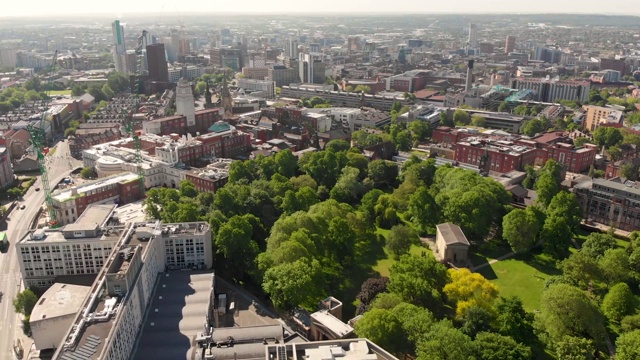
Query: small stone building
point(451, 244)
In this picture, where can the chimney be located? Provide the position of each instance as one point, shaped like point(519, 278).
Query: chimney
point(467, 86)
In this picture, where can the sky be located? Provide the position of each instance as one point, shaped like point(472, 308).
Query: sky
point(175, 7)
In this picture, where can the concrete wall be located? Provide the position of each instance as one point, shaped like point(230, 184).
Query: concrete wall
point(48, 333)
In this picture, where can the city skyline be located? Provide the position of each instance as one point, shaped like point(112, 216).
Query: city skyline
point(123, 7)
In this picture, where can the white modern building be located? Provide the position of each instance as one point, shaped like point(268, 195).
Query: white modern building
point(76, 249)
point(266, 87)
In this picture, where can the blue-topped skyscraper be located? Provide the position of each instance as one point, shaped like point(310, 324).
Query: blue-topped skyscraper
point(119, 49)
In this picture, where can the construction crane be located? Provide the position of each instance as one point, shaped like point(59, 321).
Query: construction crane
point(130, 123)
point(38, 140)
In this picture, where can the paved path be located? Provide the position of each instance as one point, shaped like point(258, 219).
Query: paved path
point(505, 256)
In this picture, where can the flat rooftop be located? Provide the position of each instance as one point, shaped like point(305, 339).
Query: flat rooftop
point(59, 300)
point(94, 215)
point(56, 236)
point(176, 230)
point(92, 338)
point(344, 349)
point(332, 323)
point(68, 194)
point(132, 212)
point(176, 316)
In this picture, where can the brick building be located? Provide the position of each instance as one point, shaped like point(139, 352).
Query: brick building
point(224, 141)
point(575, 159)
point(449, 135)
point(177, 124)
point(211, 178)
point(504, 154)
point(88, 135)
point(70, 203)
point(494, 155)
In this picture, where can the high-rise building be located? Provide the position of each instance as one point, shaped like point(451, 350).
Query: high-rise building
point(510, 44)
point(291, 51)
point(311, 69)
point(157, 63)
point(119, 49)
point(175, 37)
point(184, 102)
point(551, 56)
point(473, 36)
point(8, 57)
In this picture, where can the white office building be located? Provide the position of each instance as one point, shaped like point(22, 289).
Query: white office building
point(111, 316)
point(77, 249)
point(267, 88)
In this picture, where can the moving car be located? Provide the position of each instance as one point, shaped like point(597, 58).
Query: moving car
point(22, 207)
point(37, 189)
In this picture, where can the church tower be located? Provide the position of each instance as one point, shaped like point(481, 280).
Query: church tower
point(227, 103)
point(184, 102)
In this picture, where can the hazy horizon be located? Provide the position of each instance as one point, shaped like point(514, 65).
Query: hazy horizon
point(122, 8)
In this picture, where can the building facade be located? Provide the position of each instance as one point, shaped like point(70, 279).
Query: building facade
point(610, 203)
point(76, 249)
point(7, 177)
point(553, 90)
point(598, 115)
point(128, 282)
point(510, 44)
point(267, 88)
point(70, 203)
point(157, 63)
point(119, 49)
point(494, 156)
point(185, 101)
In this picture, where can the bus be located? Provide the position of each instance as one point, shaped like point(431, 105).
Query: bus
point(4, 242)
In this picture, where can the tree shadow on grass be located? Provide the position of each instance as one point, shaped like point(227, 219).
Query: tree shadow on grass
point(488, 273)
point(542, 263)
point(361, 270)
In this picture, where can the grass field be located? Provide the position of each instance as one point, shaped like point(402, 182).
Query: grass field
point(59, 92)
point(522, 275)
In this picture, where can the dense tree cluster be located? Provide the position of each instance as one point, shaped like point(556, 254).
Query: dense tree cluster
point(301, 229)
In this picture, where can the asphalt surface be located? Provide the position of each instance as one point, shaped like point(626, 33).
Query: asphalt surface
point(60, 165)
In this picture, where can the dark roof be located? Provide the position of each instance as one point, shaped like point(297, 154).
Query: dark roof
point(517, 190)
point(452, 234)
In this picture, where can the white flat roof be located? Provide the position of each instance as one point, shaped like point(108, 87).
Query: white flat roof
point(59, 300)
point(67, 193)
point(332, 323)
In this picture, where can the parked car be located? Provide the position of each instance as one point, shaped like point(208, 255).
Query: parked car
point(37, 189)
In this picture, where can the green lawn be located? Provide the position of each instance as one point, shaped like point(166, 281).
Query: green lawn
point(487, 251)
point(522, 275)
point(59, 92)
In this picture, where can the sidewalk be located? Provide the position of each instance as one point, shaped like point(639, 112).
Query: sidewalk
point(19, 337)
point(25, 341)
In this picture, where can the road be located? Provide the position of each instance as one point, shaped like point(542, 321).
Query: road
point(59, 165)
